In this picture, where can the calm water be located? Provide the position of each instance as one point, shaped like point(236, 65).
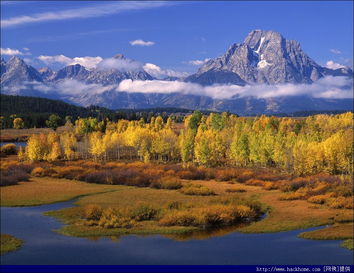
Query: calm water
point(18, 144)
point(44, 246)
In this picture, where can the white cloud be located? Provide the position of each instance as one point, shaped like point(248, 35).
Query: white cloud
point(141, 43)
point(328, 87)
point(25, 49)
point(74, 87)
point(88, 62)
point(333, 65)
point(198, 62)
point(157, 72)
point(335, 51)
point(121, 64)
point(9, 51)
point(54, 59)
point(81, 13)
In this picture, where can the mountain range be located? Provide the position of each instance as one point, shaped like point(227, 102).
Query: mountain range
point(265, 58)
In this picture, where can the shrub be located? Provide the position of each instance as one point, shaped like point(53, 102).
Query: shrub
point(344, 190)
point(99, 177)
point(167, 182)
point(9, 149)
point(268, 177)
point(294, 184)
point(245, 175)
point(193, 189)
point(69, 172)
point(255, 182)
point(270, 185)
point(226, 174)
point(14, 174)
point(214, 215)
point(144, 212)
point(112, 218)
point(291, 196)
point(170, 173)
point(127, 177)
point(235, 190)
point(217, 215)
point(174, 205)
point(92, 212)
point(112, 165)
point(137, 180)
point(179, 218)
point(255, 205)
point(153, 173)
point(38, 171)
point(320, 188)
point(137, 164)
point(340, 202)
point(91, 164)
point(318, 199)
point(26, 168)
point(192, 174)
point(8, 180)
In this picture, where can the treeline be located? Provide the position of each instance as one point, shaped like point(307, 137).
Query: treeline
point(310, 113)
point(321, 143)
point(36, 111)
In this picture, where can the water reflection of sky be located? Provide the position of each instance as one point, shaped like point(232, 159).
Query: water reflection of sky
point(18, 144)
point(43, 246)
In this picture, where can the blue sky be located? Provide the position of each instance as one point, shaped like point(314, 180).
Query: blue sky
point(174, 34)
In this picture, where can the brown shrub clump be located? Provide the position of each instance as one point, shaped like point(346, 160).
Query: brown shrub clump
point(235, 190)
point(167, 182)
point(15, 173)
point(92, 212)
point(340, 202)
point(8, 149)
point(194, 189)
point(38, 172)
point(213, 215)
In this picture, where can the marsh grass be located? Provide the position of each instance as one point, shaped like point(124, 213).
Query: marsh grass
point(44, 190)
point(9, 243)
point(335, 232)
point(349, 244)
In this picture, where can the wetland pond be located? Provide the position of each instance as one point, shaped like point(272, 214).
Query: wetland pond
point(42, 245)
point(18, 144)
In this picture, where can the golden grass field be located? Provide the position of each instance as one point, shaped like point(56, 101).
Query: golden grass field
point(45, 190)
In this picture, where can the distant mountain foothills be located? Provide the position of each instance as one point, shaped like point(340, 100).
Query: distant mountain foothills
point(264, 58)
point(35, 111)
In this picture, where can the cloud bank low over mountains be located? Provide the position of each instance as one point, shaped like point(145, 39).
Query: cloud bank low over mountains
point(328, 87)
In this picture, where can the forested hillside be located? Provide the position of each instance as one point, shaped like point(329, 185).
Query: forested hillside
point(35, 111)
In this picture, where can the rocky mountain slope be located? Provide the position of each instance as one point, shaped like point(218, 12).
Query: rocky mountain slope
point(263, 57)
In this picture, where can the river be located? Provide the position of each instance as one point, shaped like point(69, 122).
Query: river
point(44, 246)
point(18, 144)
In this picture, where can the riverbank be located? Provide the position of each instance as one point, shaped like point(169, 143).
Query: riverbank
point(281, 216)
point(339, 231)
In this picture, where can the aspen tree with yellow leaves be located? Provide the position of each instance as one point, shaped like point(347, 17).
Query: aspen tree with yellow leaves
point(320, 143)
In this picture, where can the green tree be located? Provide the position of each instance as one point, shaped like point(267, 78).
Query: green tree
point(53, 121)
